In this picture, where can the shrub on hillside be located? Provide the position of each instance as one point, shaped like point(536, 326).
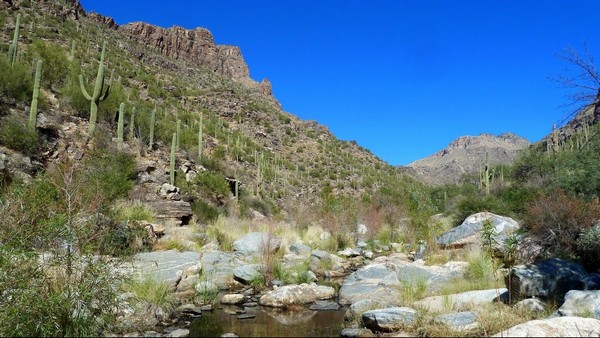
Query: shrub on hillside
point(15, 135)
point(17, 81)
point(556, 220)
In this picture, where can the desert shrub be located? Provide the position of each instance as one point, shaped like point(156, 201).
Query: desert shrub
point(15, 135)
point(476, 203)
point(120, 239)
point(112, 173)
point(204, 211)
point(58, 296)
point(555, 220)
point(152, 293)
point(588, 248)
point(211, 185)
point(55, 67)
point(17, 81)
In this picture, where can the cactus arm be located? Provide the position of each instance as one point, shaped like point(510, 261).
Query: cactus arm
point(108, 86)
point(152, 122)
point(83, 90)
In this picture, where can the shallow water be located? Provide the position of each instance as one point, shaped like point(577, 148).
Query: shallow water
point(269, 322)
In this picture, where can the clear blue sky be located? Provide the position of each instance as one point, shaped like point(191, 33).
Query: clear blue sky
point(402, 78)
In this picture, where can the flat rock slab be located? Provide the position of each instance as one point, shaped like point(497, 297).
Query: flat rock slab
point(383, 279)
point(458, 321)
point(460, 301)
point(164, 266)
point(581, 303)
point(218, 266)
point(555, 327)
point(358, 308)
point(256, 242)
point(324, 305)
point(389, 319)
point(296, 295)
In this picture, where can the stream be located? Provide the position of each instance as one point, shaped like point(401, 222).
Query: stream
point(268, 322)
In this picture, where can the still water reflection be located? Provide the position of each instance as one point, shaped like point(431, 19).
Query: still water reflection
point(269, 322)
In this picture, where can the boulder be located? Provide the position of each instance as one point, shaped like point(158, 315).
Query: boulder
point(357, 309)
point(349, 252)
point(254, 243)
point(300, 249)
point(531, 305)
point(581, 303)
point(296, 294)
point(218, 266)
point(469, 232)
point(245, 274)
point(233, 298)
point(592, 281)
point(352, 332)
point(461, 301)
point(389, 319)
point(551, 278)
point(555, 327)
point(164, 266)
point(458, 321)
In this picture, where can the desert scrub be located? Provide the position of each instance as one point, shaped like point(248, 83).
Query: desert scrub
point(152, 293)
point(129, 211)
point(15, 134)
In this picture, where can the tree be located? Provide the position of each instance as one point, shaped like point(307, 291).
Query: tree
point(583, 78)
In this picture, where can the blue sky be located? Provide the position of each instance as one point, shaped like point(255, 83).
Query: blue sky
point(402, 78)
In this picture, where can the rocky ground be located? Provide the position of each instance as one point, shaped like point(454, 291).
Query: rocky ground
point(374, 286)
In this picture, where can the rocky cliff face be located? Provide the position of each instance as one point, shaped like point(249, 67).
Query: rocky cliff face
point(197, 46)
point(465, 154)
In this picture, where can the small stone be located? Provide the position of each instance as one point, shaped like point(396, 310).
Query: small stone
point(232, 298)
point(179, 333)
point(246, 316)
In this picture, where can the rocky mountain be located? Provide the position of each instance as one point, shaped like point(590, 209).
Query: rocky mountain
point(465, 155)
point(184, 74)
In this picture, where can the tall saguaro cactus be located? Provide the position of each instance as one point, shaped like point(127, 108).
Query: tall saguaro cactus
point(97, 96)
point(152, 123)
point(132, 123)
point(36, 94)
point(172, 162)
point(200, 139)
point(13, 48)
point(120, 126)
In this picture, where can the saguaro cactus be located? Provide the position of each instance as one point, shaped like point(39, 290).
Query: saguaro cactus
point(178, 138)
point(172, 163)
point(152, 122)
point(132, 123)
point(120, 126)
point(36, 94)
point(97, 96)
point(14, 46)
point(200, 139)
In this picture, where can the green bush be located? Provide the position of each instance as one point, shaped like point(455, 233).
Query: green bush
point(15, 134)
point(17, 81)
point(56, 66)
point(211, 185)
point(588, 248)
point(204, 211)
point(111, 173)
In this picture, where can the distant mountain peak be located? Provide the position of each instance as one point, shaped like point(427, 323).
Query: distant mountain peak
point(465, 154)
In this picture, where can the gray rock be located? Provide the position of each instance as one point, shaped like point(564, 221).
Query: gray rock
point(229, 335)
point(592, 281)
point(320, 254)
point(555, 327)
point(253, 243)
point(581, 303)
point(470, 230)
point(245, 274)
point(531, 305)
point(357, 309)
point(458, 321)
point(189, 309)
point(187, 283)
point(206, 288)
point(551, 278)
point(352, 332)
point(300, 249)
point(389, 319)
point(460, 301)
point(166, 189)
point(164, 266)
point(324, 305)
point(349, 252)
point(296, 294)
point(246, 316)
point(179, 333)
point(218, 266)
point(233, 298)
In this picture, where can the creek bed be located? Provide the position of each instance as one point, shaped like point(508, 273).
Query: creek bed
point(268, 322)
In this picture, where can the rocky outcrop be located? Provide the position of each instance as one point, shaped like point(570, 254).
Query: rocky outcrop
point(389, 319)
point(461, 301)
point(465, 155)
point(195, 45)
point(581, 303)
